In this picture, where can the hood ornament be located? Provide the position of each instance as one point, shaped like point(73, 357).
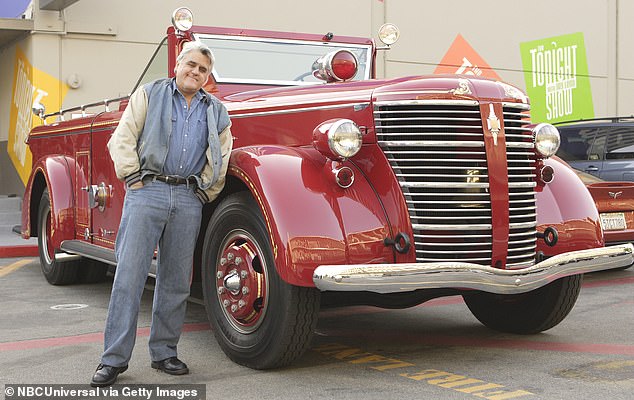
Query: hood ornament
point(513, 92)
point(493, 124)
point(614, 195)
point(462, 89)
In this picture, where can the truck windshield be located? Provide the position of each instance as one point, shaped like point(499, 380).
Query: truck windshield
point(275, 62)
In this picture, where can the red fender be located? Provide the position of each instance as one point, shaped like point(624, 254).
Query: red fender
point(566, 205)
point(310, 219)
point(59, 174)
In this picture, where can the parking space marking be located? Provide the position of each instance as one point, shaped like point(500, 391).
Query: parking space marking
point(80, 339)
point(443, 379)
point(498, 343)
point(12, 267)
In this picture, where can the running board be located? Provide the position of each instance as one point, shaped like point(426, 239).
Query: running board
point(79, 248)
point(76, 248)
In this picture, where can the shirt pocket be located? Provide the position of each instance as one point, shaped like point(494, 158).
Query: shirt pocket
point(201, 132)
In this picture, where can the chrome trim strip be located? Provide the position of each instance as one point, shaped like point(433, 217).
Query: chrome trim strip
point(422, 102)
point(522, 225)
point(418, 126)
point(520, 145)
point(522, 106)
point(520, 185)
point(462, 185)
point(395, 278)
point(450, 227)
point(430, 143)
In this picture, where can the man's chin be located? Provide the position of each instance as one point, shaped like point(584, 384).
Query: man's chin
point(190, 88)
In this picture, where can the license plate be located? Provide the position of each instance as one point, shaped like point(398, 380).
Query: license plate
point(613, 221)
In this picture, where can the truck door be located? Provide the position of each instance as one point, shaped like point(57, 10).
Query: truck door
point(107, 192)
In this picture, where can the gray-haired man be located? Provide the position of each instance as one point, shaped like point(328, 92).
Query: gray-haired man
point(172, 149)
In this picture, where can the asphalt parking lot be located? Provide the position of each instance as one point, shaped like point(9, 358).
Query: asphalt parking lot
point(438, 350)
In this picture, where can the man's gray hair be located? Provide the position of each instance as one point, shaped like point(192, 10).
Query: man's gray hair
point(200, 47)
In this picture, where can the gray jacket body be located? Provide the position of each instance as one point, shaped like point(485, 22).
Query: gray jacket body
point(139, 144)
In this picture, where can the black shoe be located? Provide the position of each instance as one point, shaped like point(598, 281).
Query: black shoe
point(106, 375)
point(172, 366)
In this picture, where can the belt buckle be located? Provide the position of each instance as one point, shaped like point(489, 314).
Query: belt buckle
point(170, 180)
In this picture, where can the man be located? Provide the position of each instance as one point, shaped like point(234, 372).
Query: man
point(172, 149)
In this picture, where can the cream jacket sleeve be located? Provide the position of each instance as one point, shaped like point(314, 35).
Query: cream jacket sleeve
point(123, 143)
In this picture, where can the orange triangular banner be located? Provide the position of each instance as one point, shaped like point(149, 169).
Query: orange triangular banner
point(461, 58)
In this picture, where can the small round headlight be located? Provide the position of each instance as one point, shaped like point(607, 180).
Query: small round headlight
point(389, 33)
point(344, 138)
point(338, 138)
point(547, 139)
point(183, 19)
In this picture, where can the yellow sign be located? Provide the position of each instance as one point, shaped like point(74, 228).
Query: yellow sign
point(30, 85)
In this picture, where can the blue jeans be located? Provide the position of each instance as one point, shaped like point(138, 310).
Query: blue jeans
point(169, 216)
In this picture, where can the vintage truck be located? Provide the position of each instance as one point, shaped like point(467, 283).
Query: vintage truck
point(342, 189)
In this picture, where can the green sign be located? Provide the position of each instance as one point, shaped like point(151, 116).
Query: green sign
point(557, 81)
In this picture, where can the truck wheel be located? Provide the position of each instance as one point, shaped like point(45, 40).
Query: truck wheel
point(55, 272)
point(526, 313)
point(259, 320)
point(91, 271)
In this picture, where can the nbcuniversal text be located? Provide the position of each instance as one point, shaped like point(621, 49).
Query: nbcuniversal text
point(123, 392)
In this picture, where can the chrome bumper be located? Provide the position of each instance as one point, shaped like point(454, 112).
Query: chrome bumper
point(393, 278)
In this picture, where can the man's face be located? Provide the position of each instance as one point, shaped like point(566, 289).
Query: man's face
point(192, 72)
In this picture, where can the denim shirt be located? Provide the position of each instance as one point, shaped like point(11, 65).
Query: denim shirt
point(154, 138)
point(188, 141)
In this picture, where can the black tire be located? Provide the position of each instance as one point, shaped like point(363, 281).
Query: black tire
point(55, 272)
point(526, 313)
point(92, 271)
point(269, 324)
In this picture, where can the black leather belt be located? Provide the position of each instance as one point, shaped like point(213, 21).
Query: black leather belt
point(175, 180)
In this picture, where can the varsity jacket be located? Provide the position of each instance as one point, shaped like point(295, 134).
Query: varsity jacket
point(138, 147)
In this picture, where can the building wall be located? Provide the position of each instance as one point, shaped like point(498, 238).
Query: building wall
point(104, 45)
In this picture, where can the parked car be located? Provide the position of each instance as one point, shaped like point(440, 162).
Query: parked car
point(603, 147)
point(615, 203)
point(341, 189)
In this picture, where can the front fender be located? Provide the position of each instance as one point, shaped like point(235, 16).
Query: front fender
point(566, 205)
point(310, 219)
point(57, 174)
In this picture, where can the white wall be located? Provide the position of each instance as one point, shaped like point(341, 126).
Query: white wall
point(108, 43)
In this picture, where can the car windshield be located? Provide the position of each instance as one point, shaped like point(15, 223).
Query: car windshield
point(274, 61)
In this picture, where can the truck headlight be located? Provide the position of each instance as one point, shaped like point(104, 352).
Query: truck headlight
point(337, 138)
point(547, 139)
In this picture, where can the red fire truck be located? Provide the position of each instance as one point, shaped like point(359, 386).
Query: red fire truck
point(342, 189)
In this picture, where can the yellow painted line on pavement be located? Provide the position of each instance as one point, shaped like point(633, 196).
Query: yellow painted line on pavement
point(444, 379)
point(15, 266)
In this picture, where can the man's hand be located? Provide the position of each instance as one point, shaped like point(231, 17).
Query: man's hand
point(136, 185)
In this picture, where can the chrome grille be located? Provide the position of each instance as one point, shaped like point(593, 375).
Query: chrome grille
point(436, 149)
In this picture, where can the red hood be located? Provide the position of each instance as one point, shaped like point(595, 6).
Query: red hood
point(414, 87)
